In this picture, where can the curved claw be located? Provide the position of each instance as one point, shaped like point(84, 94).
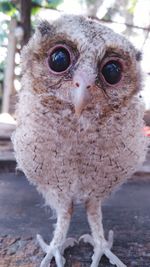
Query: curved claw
point(50, 253)
point(110, 239)
point(42, 243)
point(113, 259)
point(87, 239)
point(55, 252)
point(70, 242)
point(104, 248)
point(60, 260)
point(45, 262)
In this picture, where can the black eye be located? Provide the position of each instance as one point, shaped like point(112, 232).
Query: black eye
point(112, 72)
point(59, 59)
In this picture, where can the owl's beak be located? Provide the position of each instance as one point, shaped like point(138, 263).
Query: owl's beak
point(81, 99)
point(80, 93)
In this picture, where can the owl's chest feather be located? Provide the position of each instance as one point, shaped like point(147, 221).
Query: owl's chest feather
point(86, 154)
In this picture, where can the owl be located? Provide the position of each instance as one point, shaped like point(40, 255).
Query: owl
point(79, 124)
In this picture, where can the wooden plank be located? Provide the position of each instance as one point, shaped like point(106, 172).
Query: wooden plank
point(6, 146)
point(6, 130)
point(6, 151)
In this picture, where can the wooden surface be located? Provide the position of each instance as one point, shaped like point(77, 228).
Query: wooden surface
point(6, 147)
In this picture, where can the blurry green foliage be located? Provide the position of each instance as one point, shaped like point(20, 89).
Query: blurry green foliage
point(132, 5)
point(90, 1)
point(46, 3)
point(37, 4)
point(8, 8)
point(11, 8)
point(3, 38)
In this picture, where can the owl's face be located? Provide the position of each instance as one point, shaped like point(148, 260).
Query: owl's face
point(79, 62)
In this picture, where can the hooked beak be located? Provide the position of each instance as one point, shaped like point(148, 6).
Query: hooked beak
point(81, 95)
point(81, 99)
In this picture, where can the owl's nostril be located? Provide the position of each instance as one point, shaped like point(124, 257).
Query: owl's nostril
point(77, 84)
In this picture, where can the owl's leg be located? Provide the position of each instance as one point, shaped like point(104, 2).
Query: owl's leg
point(59, 241)
point(101, 246)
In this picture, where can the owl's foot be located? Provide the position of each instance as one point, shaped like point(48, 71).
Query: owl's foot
point(54, 251)
point(101, 248)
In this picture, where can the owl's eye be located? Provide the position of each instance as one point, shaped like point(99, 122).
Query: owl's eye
point(59, 59)
point(112, 71)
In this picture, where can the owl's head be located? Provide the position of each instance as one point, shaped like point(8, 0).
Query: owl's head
point(78, 61)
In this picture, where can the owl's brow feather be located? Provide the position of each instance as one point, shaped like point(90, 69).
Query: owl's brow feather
point(45, 28)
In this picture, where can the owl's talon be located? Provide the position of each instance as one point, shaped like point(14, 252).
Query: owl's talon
point(42, 243)
point(110, 239)
point(55, 252)
point(50, 253)
point(102, 249)
point(113, 259)
point(70, 242)
point(87, 239)
point(99, 251)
